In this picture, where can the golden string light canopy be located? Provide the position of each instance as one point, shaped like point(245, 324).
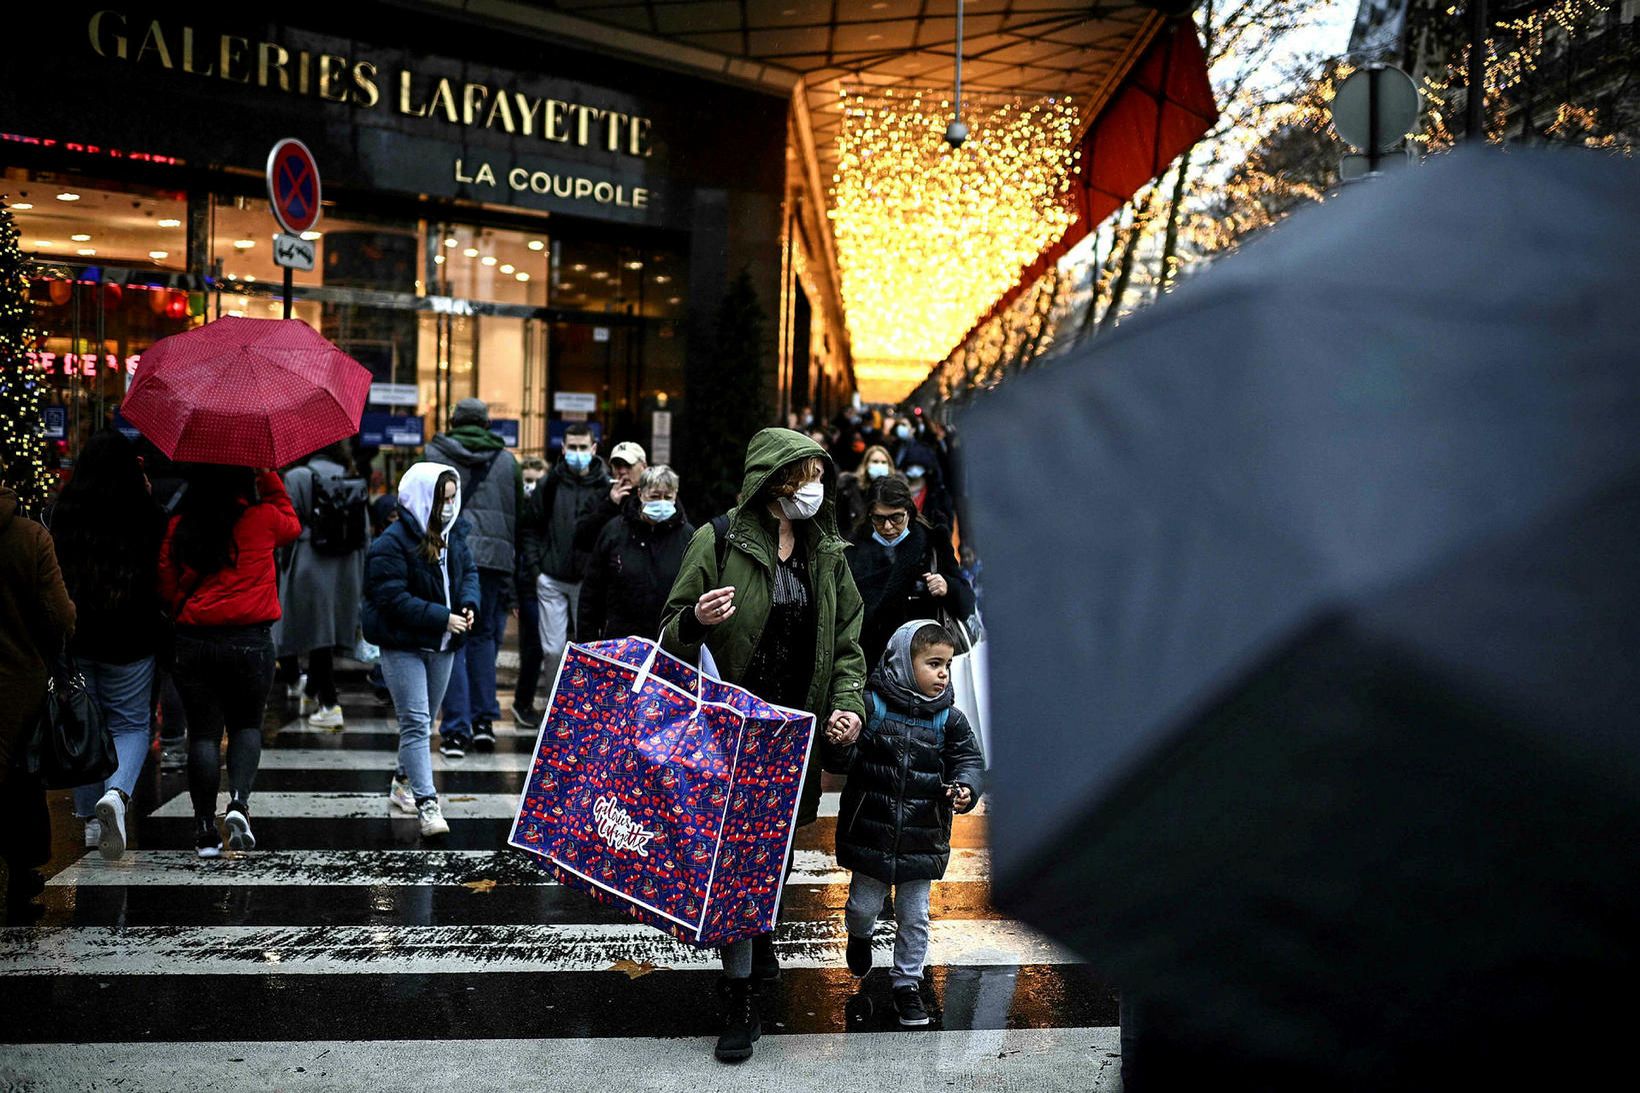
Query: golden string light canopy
point(928, 238)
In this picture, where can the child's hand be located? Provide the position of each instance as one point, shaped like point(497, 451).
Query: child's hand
point(962, 798)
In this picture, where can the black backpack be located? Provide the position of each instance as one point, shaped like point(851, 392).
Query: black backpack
point(341, 518)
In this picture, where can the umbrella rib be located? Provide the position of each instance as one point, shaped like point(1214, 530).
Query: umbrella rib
point(284, 367)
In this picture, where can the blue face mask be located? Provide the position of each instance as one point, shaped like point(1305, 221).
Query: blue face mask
point(896, 541)
point(660, 511)
point(578, 461)
point(877, 470)
point(903, 432)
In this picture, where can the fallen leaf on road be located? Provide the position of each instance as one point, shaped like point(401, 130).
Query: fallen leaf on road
point(632, 969)
point(479, 885)
point(461, 798)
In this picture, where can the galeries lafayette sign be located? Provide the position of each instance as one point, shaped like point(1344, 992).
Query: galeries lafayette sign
point(364, 84)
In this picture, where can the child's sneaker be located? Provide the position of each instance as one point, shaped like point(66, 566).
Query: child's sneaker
point(432, 818)
point(859, 956)
point(402, 796)
point(908, 1004)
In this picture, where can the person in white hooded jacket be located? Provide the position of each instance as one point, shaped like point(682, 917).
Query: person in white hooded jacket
point(421, 596)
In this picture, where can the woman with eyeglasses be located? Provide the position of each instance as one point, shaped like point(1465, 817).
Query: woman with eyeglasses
point(903, 565)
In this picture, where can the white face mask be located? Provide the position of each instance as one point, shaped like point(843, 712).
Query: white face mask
point(805, 504)
point(447, 513)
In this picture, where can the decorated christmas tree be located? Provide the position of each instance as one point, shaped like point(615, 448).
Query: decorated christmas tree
point(22, 427)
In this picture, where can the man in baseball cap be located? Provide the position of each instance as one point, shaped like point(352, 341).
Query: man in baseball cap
point(627, 462)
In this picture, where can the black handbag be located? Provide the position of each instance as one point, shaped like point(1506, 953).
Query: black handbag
point(956, 627)
point(72, 744)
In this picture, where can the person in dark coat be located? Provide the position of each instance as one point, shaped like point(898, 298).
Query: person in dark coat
point(853, 486)
point(421, 597)
point(916, 765)
point(107, 528)
point(904, 567)
point(492, 495)
point(635, 561)
point(36, 617)
point(552, 556)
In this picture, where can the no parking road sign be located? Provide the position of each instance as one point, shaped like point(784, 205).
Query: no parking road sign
point(293, 186)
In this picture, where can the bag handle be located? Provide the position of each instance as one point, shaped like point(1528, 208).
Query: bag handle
point(648, 669)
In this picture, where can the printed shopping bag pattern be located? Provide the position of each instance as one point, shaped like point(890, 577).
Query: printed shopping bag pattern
point(679, 810)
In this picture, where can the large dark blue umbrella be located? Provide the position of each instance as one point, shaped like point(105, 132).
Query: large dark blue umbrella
point(1314, 597)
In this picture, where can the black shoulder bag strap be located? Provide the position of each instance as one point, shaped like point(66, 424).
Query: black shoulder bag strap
point(720, 534)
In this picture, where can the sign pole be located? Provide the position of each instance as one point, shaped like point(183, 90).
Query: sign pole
point(294, 196)
point(1373, 72)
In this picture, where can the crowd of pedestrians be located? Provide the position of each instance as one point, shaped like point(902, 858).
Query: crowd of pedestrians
point(186, 595)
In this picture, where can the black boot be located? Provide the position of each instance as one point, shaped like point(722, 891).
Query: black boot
point(765, 964)
point(741, 1023)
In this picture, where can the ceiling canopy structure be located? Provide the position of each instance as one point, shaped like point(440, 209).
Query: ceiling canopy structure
point(876, 77)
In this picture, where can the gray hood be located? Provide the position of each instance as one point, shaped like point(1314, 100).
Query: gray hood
point(896, 681)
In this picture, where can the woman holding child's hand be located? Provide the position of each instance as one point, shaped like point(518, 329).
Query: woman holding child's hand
point(776, 604)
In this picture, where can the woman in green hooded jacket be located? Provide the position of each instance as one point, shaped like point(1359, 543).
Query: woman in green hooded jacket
point(781, 616)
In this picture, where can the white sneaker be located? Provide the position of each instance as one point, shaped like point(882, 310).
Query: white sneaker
point(401, 796)
point(432, 818)
point(93, 834)
point(238, 826)
point(294, 691)
point(327, 717)
point(111, 818)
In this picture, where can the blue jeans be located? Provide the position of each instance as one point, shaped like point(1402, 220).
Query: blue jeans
point(125, 694)
point(471, 695)
point(865, 903)
point(416, 679)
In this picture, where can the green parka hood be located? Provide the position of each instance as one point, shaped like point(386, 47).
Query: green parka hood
point(769, 451)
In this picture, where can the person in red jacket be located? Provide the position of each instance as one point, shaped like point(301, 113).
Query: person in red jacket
point(217, 574)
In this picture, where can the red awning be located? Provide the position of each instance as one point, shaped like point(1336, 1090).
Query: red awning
point(1163, 106)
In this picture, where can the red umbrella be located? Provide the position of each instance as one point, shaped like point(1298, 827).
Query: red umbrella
point(249, 392)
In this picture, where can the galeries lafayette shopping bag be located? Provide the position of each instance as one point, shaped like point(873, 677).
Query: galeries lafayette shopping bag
point(662, 789)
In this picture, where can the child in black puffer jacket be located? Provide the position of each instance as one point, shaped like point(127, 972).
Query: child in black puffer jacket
point(915, 765)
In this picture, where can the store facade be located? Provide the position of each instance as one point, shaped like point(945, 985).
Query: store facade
point(529, 221)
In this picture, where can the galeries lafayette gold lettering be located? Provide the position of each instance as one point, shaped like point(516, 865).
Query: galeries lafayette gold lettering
point(362, 83)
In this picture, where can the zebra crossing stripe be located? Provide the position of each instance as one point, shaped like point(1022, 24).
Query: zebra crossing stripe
point(423, 950)
point(1043, 1060)
point(297, 805)
point(383, 868)
point(349, 806)
point(386, 761)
